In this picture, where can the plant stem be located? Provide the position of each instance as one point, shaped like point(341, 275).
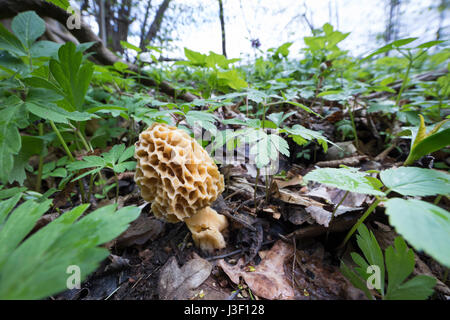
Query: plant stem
point(360, 220)
point(86, 145)
point(334, 212)
point(256, 185)
point(69, 154)
point(61, 140)
point(353, 126)
point(438, 198)
point(41, 160)
point(405, 80)
point(117, 186)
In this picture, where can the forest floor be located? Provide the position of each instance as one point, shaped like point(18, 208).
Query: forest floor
point(279, 250)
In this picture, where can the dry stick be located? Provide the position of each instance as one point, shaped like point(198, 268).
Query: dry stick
point(232, 253)
point(334, 212)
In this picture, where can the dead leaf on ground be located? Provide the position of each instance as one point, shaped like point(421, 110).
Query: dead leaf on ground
point(295, 198)
point(268, 279)
point(294, 181)
point(333, 196)
point(140, 231)
point(316, 279)
point(177, 283)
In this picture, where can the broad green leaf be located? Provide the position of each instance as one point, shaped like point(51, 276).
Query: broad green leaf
point(344, 178)
point(402, 42)
point(424, 225)
point(412, 181)
point(28, 26)
point(429, 44)
point(52, 112)
point(10, 142)
point(45, 48)
point(30, 146)
point(10, 42)
point(425, 143)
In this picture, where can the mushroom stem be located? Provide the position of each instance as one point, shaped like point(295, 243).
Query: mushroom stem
point(206, 226)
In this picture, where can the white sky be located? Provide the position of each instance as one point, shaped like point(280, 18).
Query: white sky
point(276, 22)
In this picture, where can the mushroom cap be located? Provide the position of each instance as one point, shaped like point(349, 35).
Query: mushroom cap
point(175, 173)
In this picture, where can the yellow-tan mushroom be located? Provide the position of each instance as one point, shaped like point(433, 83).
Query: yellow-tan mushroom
point(181, 181)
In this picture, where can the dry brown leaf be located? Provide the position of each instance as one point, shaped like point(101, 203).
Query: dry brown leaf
point(177, 283)
point(295, 198)
point(294, 181)
point(140, 231)
point(268, 279)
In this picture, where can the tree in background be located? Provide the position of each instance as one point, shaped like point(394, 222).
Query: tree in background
point(114, 18)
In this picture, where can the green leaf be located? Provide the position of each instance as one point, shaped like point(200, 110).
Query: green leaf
point(44, 48)
point(63, 4)
point(10, 42)
point(424, 225)
point(399, 265)
point(10, 142)
point(72, 75)
point(425, 143)
point(130, 46)
point(412, 181)
point(28, 26)
point(429, 44)
point(203, 119)
point(38, 267)
point(402, 42)
point(372, 252)
point(52, 112)
point(30, 146)
point(18, 225)
point(348, 179)
point(128, 153)
point(355, 279)
point(302, 106)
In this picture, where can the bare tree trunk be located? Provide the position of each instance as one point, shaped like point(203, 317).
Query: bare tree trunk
point(102, 24)
point(144, 24)
point(156, 24)
point(222, 27)
point(391, 32)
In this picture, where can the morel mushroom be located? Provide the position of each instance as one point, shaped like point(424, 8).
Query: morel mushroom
point(179, 178)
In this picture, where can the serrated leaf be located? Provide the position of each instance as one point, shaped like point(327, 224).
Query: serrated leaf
point(399, 265)
point(10, 42)
point(38, 267)
point(72, 75)
point(28, 26)
point(345, 179)
point(424, 225)
point(52, 112)
point(412, 181)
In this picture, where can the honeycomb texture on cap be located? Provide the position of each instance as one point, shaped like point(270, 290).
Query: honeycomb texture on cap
point(175, 173)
